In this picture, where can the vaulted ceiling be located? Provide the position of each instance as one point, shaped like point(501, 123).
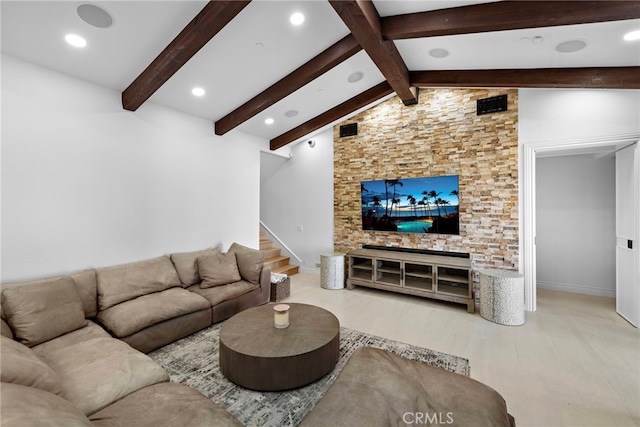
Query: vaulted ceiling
point(254, 65)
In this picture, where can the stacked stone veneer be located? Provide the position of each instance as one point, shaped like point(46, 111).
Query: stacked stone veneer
point(442, 135)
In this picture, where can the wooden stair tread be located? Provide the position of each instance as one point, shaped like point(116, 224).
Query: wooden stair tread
point(274, 260)
point(286, 269)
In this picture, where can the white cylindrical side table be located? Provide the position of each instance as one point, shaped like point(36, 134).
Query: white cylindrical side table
point(332, 270)
point(502, 296)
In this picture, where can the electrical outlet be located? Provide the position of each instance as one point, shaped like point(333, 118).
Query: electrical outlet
point(300, 228)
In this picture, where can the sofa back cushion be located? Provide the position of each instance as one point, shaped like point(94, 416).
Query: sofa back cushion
point(21, 365)
point(28, 406)
point(42, 310)
point(250, 262)
point(218, 269)
point(88, 291)
point(186, 264)
point(5, 330)
point(126, 282)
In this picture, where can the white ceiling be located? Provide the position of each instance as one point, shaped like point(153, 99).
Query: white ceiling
point(260, 46)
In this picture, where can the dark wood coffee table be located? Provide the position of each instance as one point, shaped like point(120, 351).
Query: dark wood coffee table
point(255, 355)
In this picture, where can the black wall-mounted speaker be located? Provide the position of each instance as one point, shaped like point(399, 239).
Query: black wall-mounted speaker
point(348, 130)
point(491, 105)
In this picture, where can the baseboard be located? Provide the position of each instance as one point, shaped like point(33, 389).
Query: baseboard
point(577, 289)
point(309, 270)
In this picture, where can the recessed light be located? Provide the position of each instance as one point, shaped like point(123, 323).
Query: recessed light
point(75, 40)
point(269, 121)
point(570, 46)
point(355, 77)
point(291, 113)
point(297, 18)
point(198, 91)
point(94, 15)
point(632, 36)
point(439, 53)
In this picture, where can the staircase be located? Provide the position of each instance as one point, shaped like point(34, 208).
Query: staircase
point(274, 260)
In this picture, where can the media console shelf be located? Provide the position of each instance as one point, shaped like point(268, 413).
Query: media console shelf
point(441, 277)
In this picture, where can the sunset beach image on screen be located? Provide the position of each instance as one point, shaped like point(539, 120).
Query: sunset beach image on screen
point(411, 205)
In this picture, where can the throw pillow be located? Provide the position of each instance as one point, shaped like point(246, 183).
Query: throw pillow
point(20, 365)
point(249, 262)
point(218, 269)
point(186, 264)
point(43, 310)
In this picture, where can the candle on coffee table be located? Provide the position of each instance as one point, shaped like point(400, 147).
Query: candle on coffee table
point(281, 316)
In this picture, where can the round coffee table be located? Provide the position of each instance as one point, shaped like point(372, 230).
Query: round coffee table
point(255, 355)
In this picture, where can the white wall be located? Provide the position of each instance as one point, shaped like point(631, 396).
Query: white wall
point(88, 184)
point(299, 192)
point(567, 115)
point(576, 219)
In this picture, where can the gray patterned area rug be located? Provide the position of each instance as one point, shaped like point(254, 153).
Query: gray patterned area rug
point(194, 361)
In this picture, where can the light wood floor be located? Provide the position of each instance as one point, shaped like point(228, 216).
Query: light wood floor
point(574, 362)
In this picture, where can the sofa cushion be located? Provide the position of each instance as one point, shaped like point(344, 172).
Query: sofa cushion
point(97, 372)
point(219, 294)
point(42, 310)
point(28, 406)
point(218, 269)
point(395, 386)
point(186, 264)
point(20, 365)
point(88, 332)
point(250, 262)
point(5, 330)
point(166, 405)
point(88, 290)
point(126, 282)
point(132, 316)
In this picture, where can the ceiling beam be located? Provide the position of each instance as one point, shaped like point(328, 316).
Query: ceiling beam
point(363, 20)
point(589, 78)
point(211, 19)
point(334, 55)
point(505, 15)
point(336, 113)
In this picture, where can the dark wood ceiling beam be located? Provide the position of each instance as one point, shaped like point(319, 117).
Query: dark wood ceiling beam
point(359, 101)
point(589, 78)
point(363, 20)
point(334, 55)
point(505, 15)
point(211, 19)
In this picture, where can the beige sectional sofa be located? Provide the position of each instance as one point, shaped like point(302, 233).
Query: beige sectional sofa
point(72, 353)
point(72, 349)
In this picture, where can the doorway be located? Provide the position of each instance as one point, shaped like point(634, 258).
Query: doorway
point(576, 223)
point(528, 190)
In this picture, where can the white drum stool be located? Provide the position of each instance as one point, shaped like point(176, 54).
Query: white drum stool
point(332, 270)
point(502, 296)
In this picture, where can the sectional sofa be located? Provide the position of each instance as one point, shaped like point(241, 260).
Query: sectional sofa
point(72, 353)
point(72, 347)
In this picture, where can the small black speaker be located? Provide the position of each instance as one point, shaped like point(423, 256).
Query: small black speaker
point(348, 130)
point(491, 105)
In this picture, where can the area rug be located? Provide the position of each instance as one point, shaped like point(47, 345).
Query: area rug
point(194, 361)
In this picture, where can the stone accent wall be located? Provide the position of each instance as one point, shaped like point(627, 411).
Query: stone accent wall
point(442, 135)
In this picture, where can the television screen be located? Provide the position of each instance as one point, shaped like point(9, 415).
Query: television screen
point(411, 205)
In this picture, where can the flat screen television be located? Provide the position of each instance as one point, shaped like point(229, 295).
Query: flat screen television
point(411, 205)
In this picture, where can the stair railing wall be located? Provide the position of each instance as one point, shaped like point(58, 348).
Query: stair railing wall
point(287, 251)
